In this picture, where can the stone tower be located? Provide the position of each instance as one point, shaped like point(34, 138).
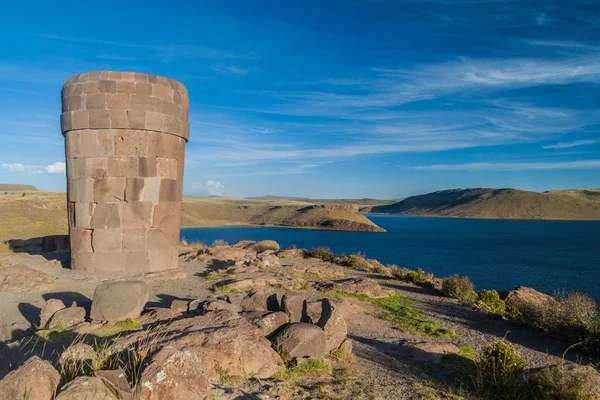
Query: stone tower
point(125, 136)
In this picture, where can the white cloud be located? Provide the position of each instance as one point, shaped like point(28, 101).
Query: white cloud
point(230, 70)
point(492, 166)
point(211, 188)
point(542, 19)
point(54, 168)
point(566, 145)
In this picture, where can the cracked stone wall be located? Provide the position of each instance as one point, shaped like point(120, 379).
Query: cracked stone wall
point(125, 136)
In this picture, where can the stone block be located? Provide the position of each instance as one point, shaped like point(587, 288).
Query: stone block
point(155, 121)
point(82, 261)
point(166, 168)
point(173, 125)
point(81, 240)
point(137, 119)
point(123, 166)
point(143, 89)
point(85, 190)
point(118, 101)
point(66, 121)
point(73, 142)
point(162, 259)
point(169, 190)
point(166, 214)
point(107, 86)
point(138, 261)
point(110, 262)
point(127, 76)
point(95, 102)
point(95, 168)
point(116, 76)
point(107, 240)
point(156, 238)
point(80, 119)
point(163, 145)
point(119, 300)
point(119, 119)
point(151, 189)
point(131, 143)
point(163, 92)
point(90, 87)
point(171, 109)
point(134, 189)
point(145, 103)
point(126, 87)
point(72, 190)
point(134, 240)
point(89, 143)
point(106, 142)
point(136, 215)
point(106, 216)
point(104, 75)
point(140, 77)
point(110, 190)
point(83, 214)
point(99, 119)
point(77, 103)
point(148, 167)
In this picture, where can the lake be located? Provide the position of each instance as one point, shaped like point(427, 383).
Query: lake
point(495, 254)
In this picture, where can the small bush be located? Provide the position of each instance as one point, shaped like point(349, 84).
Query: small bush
point(219, 243)
point(499, 373)
point(260, 247)
point(292, 246)
point(460, 288)
point(556, 384)
point(23, 195)
point(418, 277)
point(322, 253)
point(310, 367)
point(490, 301)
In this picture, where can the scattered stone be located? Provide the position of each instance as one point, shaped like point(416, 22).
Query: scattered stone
point(119, 300)
point(261, 299)
point(50, 308)
point(35, 380)
point(22, 279)
point(179, 305)
point(294, 305)
point(226, 253)
point(300, 340)
point(116, 380)
point(318, 270)
point(269, 260)
point(216, 305)
point(269, 322)
point(264, 245)
point(366, 286)
point(525, 295)
point(314, 309)
point(249, 283)
point(77, 352)
point(67, 317)
point(293, 253)
point(431, 352)
point(86, 388)
point(333, 324)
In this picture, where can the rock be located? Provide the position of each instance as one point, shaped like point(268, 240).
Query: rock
point(294, 305)
point(314, 309)
point(35, 380)
point(300, 340)
point(155, 315)
point(86, 388)
point(244, 244)
point(22, 279)
point(318, 270)
point(226, 253)
point(249, 283)
point(366, 286)
point(50, 307)
point(216, 305)
point(210, 347)
point(119, 300)
point(269, 322)
point(269, 260)
point(179, 305)
point(525, 295)
point(333, 324)
point(173, 374)
point(14, 330)
point(264, 245)
point(346, 346)
point(293, 253)
point(431, 352)
point(78, 352)
point(116, 380)
point(67, 317)
point(261, 299)
point(587, 376)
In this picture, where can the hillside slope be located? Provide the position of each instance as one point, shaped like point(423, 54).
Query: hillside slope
point(11, 186)
point(581, 204)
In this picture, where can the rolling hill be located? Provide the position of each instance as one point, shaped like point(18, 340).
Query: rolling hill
point(583, 204)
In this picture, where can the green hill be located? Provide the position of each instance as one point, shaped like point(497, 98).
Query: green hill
point(583, 204)
point(10, 186)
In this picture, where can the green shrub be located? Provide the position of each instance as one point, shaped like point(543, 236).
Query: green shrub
point(499, 373)
point(322, 253)
point(591, 341)
point(490, 301)
point(460, 288)
point(418, 277)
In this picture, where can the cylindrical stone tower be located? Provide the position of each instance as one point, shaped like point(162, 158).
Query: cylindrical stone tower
point(125, 136)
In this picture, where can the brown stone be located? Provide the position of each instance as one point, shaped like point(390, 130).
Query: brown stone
point(19, 278)
point(35, 380)
point(300, 340)
point(131, 143)
point(107, 240)
point(86, 388)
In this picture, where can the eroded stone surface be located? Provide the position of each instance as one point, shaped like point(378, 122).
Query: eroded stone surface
point(35, 380)
point(119, 300)
point(300, 340)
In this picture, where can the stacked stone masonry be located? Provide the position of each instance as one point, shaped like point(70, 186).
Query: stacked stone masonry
point(125, 136)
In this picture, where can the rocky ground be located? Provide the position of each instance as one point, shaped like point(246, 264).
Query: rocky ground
point(246, 321)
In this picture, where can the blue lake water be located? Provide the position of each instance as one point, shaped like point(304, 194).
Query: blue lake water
point(495, 254)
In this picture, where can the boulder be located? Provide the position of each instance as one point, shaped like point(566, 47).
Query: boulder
point(264, 245)
point(78, 352)
point(366, 286)
point(244, 244)
point(226, 253)
point(431, 352)
point(333, 324)
point(294, 305)
point(67, 317)
point(261, 299)
point(529, 296)
point(293, 253)
point(22, 279)
point(35, 380)
point(216, 305)
point(318, 270)
point(116, 380)
point(180, 305)
point(86, 388)
point(269, 322)
point(50, 307)
point(269, 260)
point(346, 346)
point(300, 340)
point(119, 300)
point(587, 376)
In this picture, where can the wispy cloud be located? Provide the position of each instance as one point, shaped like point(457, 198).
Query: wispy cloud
point(532, 166)
point(54, 168)
point(230, 70)
point(575, 143)
point(542, 19)
point(210, 188)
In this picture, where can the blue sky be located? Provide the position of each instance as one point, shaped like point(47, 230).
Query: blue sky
point(371, 98)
